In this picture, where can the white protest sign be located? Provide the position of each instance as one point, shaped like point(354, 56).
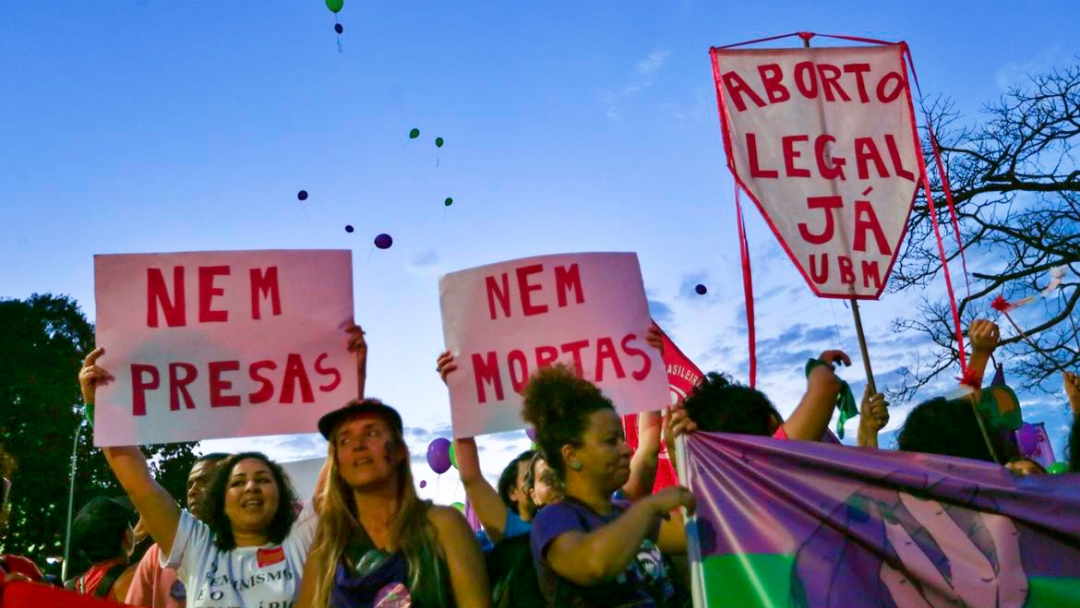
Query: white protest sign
point(824, 141)
point(221, 344)
point(504, 321)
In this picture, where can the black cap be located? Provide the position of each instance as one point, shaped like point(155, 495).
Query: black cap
point(331, 420)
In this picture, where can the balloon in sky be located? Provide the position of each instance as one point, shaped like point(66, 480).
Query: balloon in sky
point(449, 201)
point(701, 290)
point(349, 228)
point(1058, 468)
point(302, 195)
point(414, 133)
point(339, 28)
point(335, 5)
point(384, 241)
point(438, 142)
point(423, 483)
point(531, 432)
point(459, 506)
point(438, 455)
point(453, 456)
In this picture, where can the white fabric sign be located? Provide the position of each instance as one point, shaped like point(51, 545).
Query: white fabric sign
point(824, 141)
point(504, 321)
point(221, 344)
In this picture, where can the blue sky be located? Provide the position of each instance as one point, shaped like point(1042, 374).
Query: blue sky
point(154, 125)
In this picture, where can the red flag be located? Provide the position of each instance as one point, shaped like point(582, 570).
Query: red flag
point(682, 377)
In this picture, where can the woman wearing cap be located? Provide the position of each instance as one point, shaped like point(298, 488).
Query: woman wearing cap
point(250, 552)
point(377, 543)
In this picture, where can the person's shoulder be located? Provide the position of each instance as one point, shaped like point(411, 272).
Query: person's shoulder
point(441, 516)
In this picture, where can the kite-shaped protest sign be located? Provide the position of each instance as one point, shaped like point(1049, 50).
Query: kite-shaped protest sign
point(824, 142)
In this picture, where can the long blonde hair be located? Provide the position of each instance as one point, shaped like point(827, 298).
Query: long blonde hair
point(411, 532)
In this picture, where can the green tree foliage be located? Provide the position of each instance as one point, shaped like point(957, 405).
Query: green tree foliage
point(42, 344)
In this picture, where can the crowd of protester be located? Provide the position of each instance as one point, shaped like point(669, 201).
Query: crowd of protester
point(572, 522)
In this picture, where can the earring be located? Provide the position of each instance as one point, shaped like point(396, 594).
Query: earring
point(576, 465)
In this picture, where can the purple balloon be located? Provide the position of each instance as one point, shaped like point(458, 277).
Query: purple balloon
point(531, 432)
point(1028, 439)
point(438, 455)
point(423, 483)
point(384, 241)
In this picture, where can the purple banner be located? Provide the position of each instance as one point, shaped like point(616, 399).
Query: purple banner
point(795, 523)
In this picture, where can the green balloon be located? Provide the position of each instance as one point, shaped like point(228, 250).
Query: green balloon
point(449, 201)
point(1058, 468)
point(459, 506)
point(438, 142)
point(334, 5)
point(414, 133)
point(453, 456)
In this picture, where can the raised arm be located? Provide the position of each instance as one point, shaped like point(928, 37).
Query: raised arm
point(588, 558)
point(983, 336)
point(154, 504)
point(485, 500)
point(811, 417)
point(358, 345)
point(646, 458)
point(468, 576)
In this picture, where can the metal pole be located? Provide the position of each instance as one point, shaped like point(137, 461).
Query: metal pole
point(71, 503)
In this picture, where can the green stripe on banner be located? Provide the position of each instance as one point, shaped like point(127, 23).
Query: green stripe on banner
point(748, 580)
point(1052, 592)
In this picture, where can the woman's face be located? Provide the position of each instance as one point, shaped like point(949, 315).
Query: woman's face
point(252, 496)
point(366, 450)
point(604, 454)
point(544, 489)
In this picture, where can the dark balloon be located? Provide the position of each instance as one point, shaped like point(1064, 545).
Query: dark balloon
point(423, 483)
point(414, 133)
point(438, 455)
point(384, 241)
point(449, 201)
point(701, 290)
point(438, 142)
point(302, 195)
point(339, 28)
point(349, 228)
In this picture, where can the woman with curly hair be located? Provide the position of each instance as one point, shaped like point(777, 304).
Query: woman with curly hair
point(590, 549)
point(377, 541)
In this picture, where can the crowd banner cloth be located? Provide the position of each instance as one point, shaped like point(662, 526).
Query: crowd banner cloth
point(797, 523)
point(504, 321)
point(682, 376)
point(221, 344)
point(36, 595)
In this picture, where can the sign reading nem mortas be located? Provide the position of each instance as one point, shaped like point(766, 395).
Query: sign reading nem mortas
point(824, 141)
point(504, 321)
point(221, 344)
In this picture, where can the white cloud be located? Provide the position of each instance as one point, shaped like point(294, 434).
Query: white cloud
point(1016, 73)
point(644, 76)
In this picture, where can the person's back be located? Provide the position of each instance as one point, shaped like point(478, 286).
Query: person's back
point(102, 532)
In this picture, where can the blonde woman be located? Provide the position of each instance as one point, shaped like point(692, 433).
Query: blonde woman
point(377, 543)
